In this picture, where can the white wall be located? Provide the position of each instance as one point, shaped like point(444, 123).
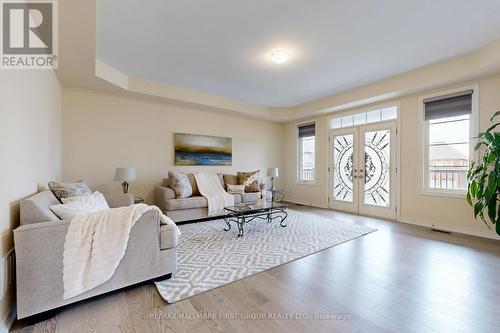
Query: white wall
point(30, 151)
point(449, 213)
point(103, 131)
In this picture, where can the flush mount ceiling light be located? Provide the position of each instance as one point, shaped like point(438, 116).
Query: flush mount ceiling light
point(280, 56)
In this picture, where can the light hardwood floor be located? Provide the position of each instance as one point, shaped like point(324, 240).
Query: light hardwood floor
point(401, 278)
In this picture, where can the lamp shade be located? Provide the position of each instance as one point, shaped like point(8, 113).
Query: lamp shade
point(273, 172)
point(125, 174)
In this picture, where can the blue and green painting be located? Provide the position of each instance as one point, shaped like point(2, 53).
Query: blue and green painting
point(193, 149)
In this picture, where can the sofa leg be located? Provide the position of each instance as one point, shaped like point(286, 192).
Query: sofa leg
point(163, 277)
point(39, 317)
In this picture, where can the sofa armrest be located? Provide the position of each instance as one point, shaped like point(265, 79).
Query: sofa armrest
point(39, 262)
point(119, 200)
point(162, 194)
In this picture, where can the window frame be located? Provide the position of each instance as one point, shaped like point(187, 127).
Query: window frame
point(298, 179)
point(365, 110)
point(425, 189)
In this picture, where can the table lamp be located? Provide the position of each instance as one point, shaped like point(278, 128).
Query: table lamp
point(273, 173)
point(125, 175)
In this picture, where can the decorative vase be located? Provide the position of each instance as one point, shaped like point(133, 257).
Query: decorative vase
point(260, 201)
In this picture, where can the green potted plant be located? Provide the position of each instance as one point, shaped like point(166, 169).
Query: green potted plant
point(483, 178)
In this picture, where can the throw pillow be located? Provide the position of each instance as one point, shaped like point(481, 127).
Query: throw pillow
point(235, 189)
point(230, 180)
point(194, 186)
point(250, 180)
point(81, 204)
point(65, 190)
point(179, 182)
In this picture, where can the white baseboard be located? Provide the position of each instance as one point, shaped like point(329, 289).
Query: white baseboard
point(445, 227)
point(452, 228)
point(8, 321)
point(306, 204)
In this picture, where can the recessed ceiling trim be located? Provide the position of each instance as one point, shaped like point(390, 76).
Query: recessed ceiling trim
point(146, 87)
point(223, 47)
point(474, 65)
point(477, 64)
point(78, 68)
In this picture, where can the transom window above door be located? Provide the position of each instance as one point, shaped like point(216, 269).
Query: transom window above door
point(366, 117)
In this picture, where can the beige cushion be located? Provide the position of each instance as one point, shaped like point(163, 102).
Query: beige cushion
point(252, 197)
point(64, 190)
point(36, 208)
point(192, 202)
point(80, 204)
point(179, 182)
point(244, 176)
point(249, 197)
point(186, 203)
point(192, 181)
point(235, 189)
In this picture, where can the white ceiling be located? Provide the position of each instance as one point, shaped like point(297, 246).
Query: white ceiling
point(221, 46)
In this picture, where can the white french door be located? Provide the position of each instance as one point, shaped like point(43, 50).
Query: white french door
point(363, 169)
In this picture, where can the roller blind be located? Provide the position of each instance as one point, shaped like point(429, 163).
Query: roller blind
point(307, 130)
point(452, 105)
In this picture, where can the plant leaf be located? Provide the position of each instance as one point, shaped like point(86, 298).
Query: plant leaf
point(490, 188)
point(479, 144)
point(478, 207)
point(496, 114)
point(492, 209)
point(489, 136)
point(483, 177)
point(473, 188)
point(469, 199)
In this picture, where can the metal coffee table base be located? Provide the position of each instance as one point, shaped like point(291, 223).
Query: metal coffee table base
point(241, 219)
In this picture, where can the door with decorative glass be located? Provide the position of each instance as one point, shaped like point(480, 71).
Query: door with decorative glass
point(363, 167)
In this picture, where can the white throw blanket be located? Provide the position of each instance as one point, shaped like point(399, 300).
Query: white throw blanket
point(211, 188)
point(96, 243)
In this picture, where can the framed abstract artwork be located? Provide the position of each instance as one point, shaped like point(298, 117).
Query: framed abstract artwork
point(191, 149)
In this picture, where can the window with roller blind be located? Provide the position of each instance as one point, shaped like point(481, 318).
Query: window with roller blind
point(306, 153)
point(448, 126)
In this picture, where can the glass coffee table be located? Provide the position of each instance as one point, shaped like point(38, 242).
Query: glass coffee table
point(244, 213)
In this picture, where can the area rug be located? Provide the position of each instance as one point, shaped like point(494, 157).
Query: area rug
point(209, 257)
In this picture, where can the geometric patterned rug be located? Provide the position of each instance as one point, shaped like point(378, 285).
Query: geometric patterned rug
point(209, 257)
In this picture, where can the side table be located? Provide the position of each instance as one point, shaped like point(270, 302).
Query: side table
point(278, 195)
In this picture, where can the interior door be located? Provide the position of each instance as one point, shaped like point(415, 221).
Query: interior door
point(343, 151)
point(363, 165)
point(377, 194)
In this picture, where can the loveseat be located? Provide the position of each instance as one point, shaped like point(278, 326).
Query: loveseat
point(39, 243)
point(195, 207)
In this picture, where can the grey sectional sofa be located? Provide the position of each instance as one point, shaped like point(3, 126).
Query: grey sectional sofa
point(39, 244)
point(196, 206)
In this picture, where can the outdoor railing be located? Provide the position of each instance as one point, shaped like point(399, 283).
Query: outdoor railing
point(308, 174)
point(448, 179)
